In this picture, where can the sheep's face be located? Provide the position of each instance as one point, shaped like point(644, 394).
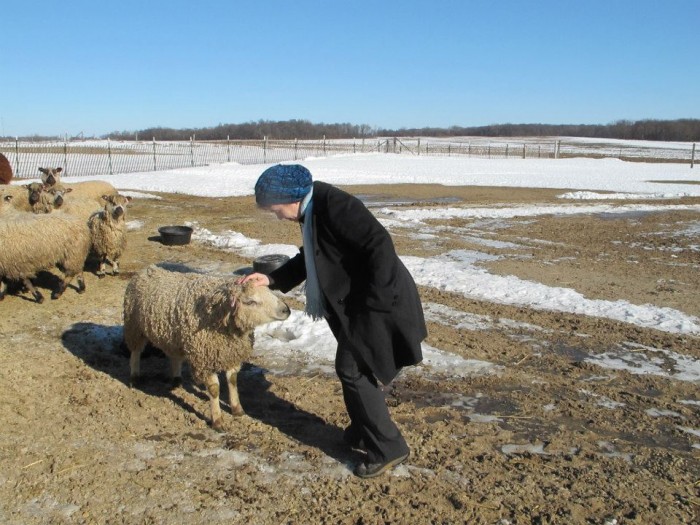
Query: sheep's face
point(243, 307)
point(35, 190)
point(58, 192)
point(116, 206)
point(50, 176)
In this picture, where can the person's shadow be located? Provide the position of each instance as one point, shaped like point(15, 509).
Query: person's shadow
point(101, 347)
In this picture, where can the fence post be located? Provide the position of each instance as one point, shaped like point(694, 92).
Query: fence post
point(692, 156)
point(556, 150)
point(264, 149)
point(192, 150)
point(418, 148)
point(488, 151)
point(449, 150)
point(154, 154)
point(507, 150)
point(228, 148)
point(523, 150)
point(354, 149)
point(17, 170)
point(65, 154)
point(296, 147)
point(109, 156)
point(324, 145)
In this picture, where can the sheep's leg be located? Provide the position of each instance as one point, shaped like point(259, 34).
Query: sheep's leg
point(135, 347)
point(59, 292)
point(81, 283)
point(36, 293)
point(115, 265)
point(101, 269)
point(232, 378)
point(176, 371)
point(135, 366)
point(3, 289)
point(212, 384)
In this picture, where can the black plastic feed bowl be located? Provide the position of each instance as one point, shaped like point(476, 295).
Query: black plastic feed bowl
point(175, 235)
point(267, 263)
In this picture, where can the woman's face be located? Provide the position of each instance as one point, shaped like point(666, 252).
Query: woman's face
point(287, 212)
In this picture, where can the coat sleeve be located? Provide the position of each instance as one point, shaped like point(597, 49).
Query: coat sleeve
point(290, 274)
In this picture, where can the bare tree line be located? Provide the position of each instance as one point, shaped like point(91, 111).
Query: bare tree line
point(683, 130)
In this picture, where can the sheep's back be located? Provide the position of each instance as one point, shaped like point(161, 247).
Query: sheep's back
point(90, 189)
point(166, 307)
point(31, 243)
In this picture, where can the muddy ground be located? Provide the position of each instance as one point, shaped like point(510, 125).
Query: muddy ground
point(551, 438)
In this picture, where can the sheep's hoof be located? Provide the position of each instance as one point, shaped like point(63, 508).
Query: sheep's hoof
point(175, 383)
point(40, 298)
point(54, 295)
point(237, 411)
point(134, 381)
point(218, 425)
point(101, 275)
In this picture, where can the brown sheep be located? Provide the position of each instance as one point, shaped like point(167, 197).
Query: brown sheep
point(205, 320)
point(5, 170)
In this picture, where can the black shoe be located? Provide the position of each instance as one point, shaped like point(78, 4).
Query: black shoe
point(353, 438)
point(372, 470)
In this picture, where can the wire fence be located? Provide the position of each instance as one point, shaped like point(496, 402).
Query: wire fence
point(106, 157)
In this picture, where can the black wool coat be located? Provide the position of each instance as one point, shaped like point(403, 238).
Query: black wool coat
point(369, 293)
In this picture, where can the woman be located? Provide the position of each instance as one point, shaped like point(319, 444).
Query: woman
point(354, 280)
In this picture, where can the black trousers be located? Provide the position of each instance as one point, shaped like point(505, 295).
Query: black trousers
point(366, 403)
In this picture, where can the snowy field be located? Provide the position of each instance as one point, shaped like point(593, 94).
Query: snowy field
point(585, 184)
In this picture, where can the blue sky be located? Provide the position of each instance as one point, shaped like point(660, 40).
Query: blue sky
point(97, 67)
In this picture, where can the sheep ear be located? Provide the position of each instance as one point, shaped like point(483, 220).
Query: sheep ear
point(44, 170)
point(59, 170)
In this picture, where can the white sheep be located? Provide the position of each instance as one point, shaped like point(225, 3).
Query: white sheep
point(30, 243)
point(50, 176)
point(205, 320)
point(108, 232)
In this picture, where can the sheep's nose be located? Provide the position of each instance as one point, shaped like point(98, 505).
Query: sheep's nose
point(51, 180)
point(34, 197)
point(58, 201)
point(118, 211)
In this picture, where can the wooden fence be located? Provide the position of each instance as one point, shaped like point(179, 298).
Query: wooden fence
point(105, 157)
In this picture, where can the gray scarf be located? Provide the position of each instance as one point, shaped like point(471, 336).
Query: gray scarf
point(314, 298)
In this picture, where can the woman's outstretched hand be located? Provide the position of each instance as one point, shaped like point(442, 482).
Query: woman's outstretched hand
point(258, 279)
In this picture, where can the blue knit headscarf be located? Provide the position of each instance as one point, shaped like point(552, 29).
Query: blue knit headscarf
point(282, 184)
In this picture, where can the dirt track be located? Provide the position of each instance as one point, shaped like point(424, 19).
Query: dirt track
point(551, 438)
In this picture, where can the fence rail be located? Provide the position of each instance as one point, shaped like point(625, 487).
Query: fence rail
point(105, 157)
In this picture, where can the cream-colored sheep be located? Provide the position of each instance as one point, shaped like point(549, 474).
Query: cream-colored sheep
point(31, 197)
point(108, 232)
point(30, 243)
point(205, 320)
point(89, 189)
